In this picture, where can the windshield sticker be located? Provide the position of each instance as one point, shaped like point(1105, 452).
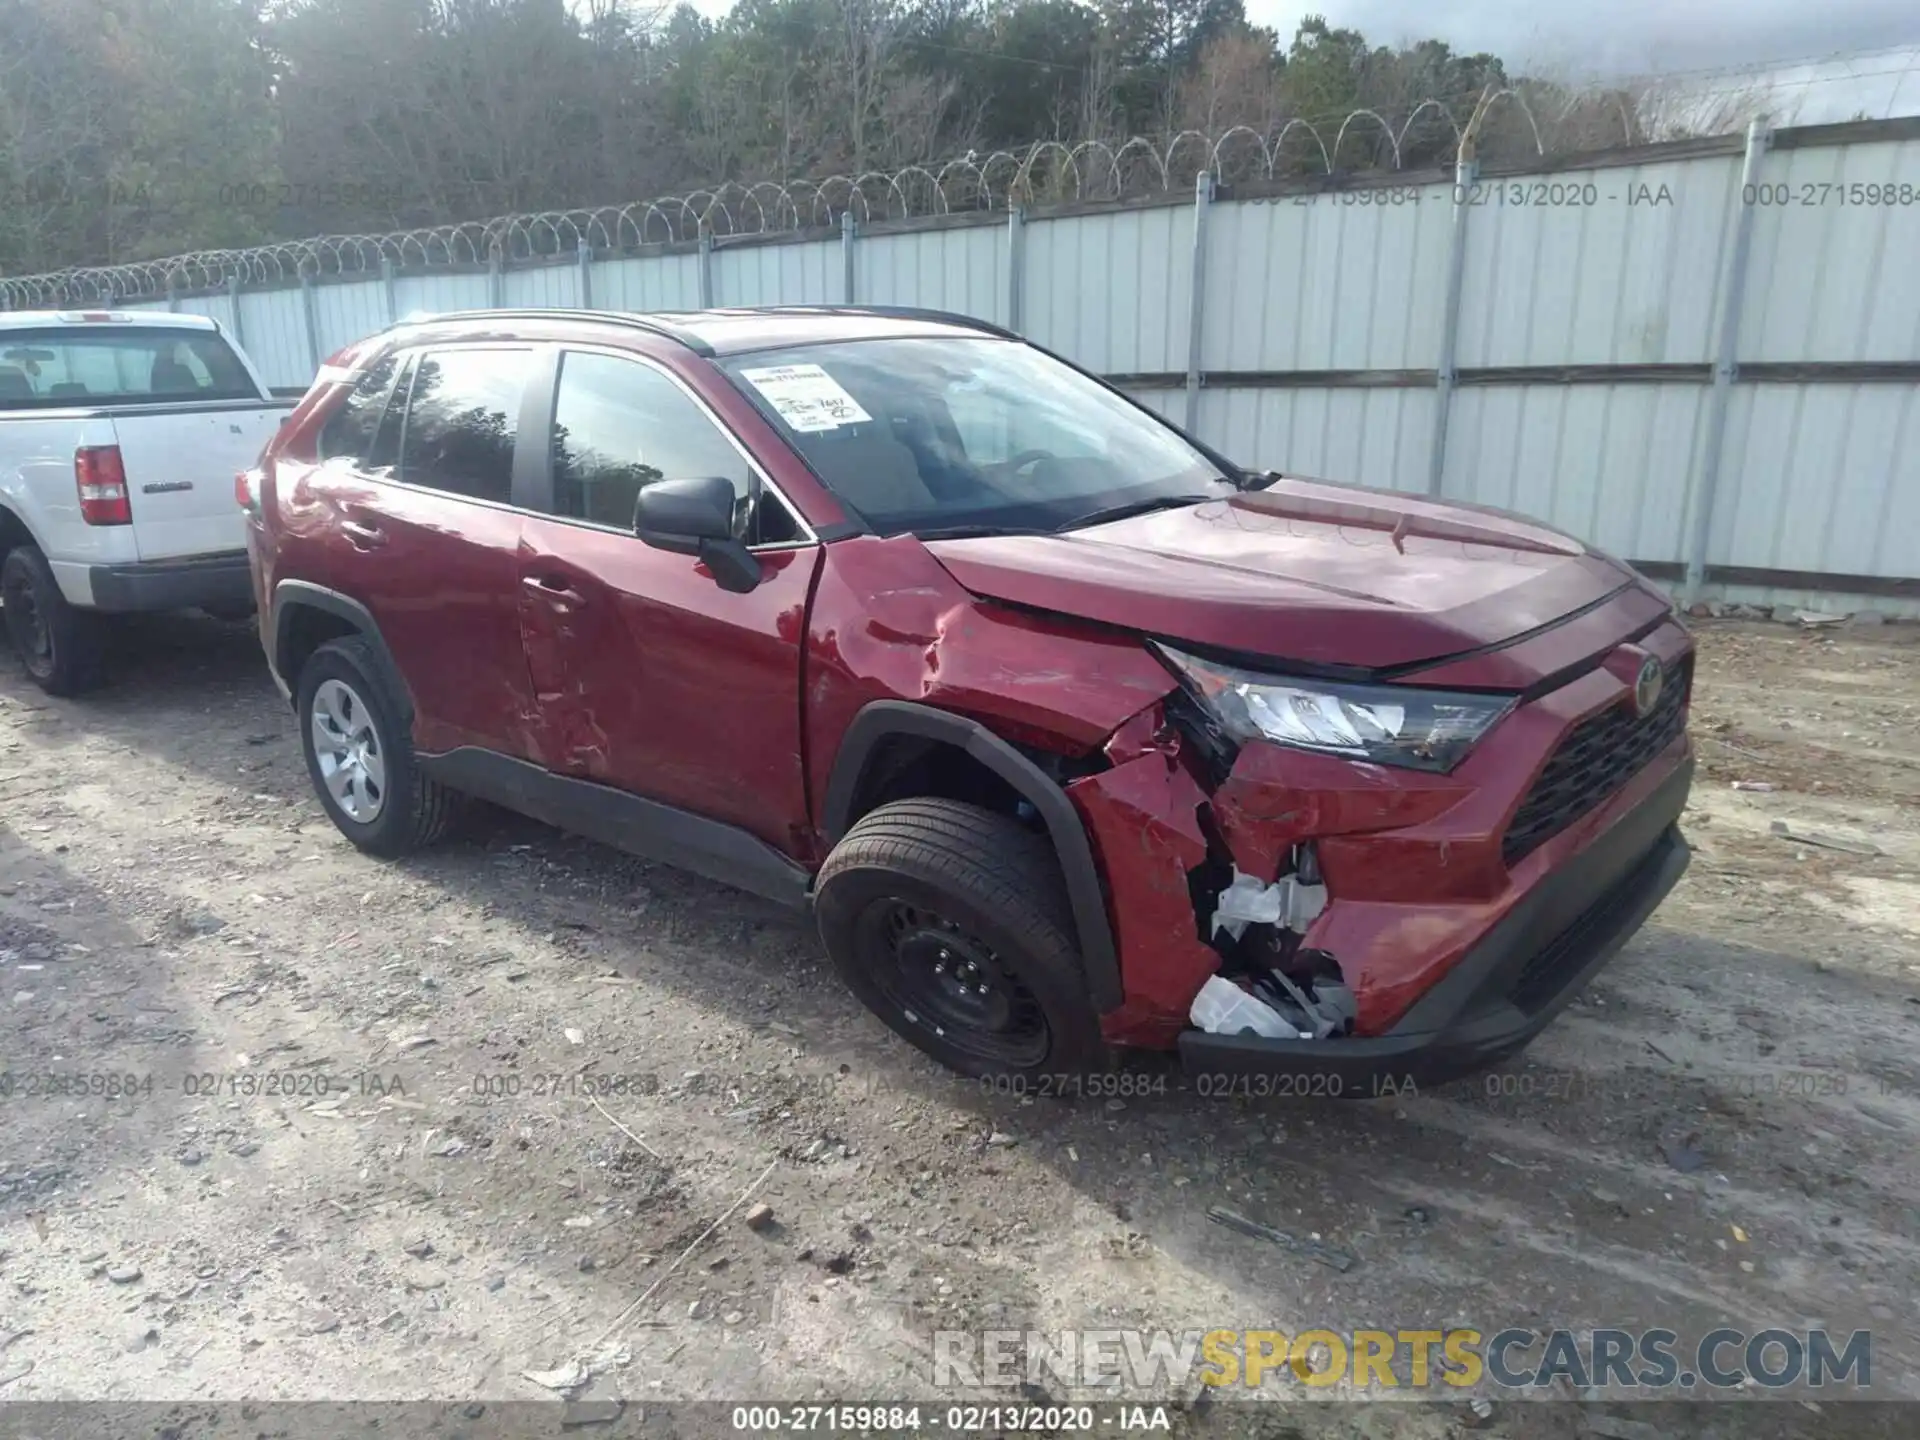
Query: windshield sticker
point(806, 397)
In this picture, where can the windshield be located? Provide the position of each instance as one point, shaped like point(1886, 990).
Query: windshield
point(117, 365)
point(942, 436)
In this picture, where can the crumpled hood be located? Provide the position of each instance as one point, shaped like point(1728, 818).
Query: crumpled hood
point(1303, 570)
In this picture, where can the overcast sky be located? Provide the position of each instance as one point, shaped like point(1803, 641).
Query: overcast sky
point(1630, 36)
point(1639, 37)
point(1876, 43)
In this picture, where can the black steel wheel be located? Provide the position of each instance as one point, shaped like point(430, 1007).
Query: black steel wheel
point(61, 647)
point(953, 983)
point(951, 923)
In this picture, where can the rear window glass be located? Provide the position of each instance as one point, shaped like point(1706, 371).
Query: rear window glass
point(117, 365)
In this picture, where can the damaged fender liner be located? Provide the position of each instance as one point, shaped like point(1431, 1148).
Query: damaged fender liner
point(883, 718)
point(1510, 985)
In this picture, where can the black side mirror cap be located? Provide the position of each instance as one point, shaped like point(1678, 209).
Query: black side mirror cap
point(677, 514)
point(695, 517)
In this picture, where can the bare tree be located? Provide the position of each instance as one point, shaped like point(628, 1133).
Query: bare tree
point(1100, 115)
point(1669, 109)
point(636, 17)
point(913, 116)
point(862, 69)
point(1235, 83)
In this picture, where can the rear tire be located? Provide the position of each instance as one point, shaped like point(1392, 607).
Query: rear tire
point(951, 923)
point(360, 757)
point(63, 648)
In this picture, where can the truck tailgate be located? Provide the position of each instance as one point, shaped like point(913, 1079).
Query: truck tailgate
point(180, 465)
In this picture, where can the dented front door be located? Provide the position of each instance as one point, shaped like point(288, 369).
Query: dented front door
point(647, 675)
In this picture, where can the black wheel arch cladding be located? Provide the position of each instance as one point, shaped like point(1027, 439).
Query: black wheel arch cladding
point(883, 720)
point(291, 597)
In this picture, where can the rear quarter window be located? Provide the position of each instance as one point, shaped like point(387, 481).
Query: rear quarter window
point(81, 365)
point(349, 432)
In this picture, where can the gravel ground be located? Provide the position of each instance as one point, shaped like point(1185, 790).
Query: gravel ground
point(363, 1158)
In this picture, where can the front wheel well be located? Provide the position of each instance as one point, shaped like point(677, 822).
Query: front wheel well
point(893, 746)
point(912, 767)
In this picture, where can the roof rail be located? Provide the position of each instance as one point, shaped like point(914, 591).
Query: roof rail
point(906, 312)
point(617, 317)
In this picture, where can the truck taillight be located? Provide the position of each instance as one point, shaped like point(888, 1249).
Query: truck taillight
point(101, 478)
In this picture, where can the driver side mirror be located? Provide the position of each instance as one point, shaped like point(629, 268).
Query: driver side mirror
point(695, 517)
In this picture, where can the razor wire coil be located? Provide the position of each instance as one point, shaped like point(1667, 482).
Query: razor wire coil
point(1049, 171)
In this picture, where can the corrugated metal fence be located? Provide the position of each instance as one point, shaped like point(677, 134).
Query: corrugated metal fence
point(1704, 354)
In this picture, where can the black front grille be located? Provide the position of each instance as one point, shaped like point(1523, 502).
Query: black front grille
point(1598, 756)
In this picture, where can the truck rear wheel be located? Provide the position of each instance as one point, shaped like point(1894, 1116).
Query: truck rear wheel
point(951, 923)
point(63, 648)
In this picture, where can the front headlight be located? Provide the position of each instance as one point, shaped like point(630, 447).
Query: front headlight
point(1390, 724)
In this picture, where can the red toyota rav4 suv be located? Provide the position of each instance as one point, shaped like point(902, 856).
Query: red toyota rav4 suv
point(1049, 713)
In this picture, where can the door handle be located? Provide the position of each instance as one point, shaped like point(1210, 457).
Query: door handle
point(549, 587)
point(363, 537)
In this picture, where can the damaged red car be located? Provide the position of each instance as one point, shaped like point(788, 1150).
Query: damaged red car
point(1070, 734)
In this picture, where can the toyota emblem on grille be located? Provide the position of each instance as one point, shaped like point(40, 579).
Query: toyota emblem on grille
point(1646, 687)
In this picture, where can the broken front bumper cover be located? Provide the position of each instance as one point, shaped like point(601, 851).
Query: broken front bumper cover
point(1504, 991)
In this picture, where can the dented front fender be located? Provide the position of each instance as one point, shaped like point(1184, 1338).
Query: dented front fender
point(1144, 814)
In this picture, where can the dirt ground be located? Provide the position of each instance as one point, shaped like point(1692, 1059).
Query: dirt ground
point(1721, 1131)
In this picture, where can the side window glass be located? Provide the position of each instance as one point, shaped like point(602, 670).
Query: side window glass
point(462, 412)
point(351, 430)
point(618, 426)
point(384, 453)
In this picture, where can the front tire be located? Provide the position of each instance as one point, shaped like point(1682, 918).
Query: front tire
point(63, 648)
point(951, 923)
point(360, 757)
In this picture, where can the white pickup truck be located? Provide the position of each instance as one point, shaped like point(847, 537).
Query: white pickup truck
point(120, 437)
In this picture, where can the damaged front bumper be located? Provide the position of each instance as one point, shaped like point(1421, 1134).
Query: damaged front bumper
point(1505, 989)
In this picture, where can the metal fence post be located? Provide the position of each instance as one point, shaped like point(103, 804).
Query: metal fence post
point(1726, 364)
point(1197, 297)
point(173, 293)
point(706, 267)
point(233, 305)
point(310, 320)
point(389, 290)
point(1016, 260)
point(847, 235)
point(586, 275)
point(1465, 170)
point(496, 278)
